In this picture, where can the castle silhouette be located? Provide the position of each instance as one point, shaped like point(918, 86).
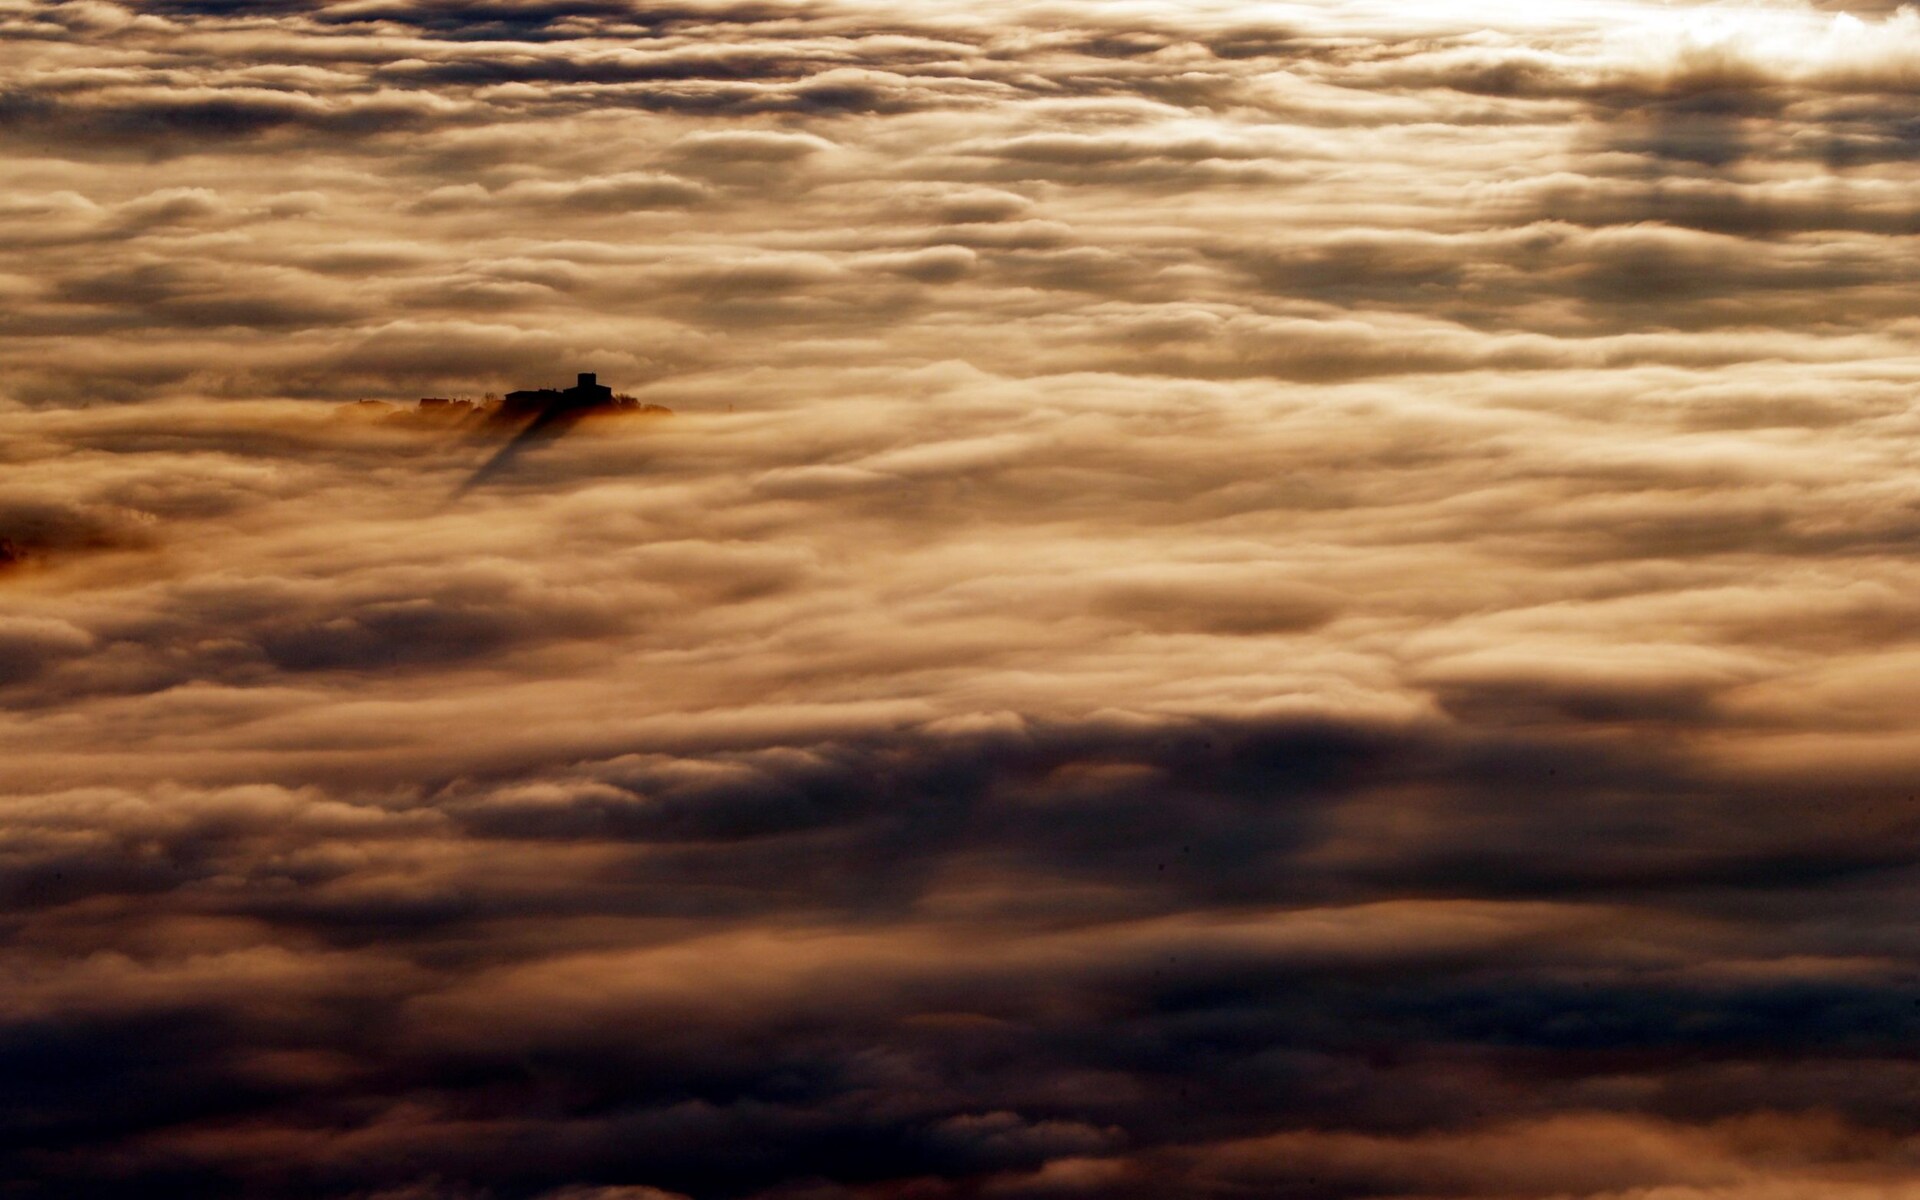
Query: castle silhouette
point(539, 407)
point(587, 394)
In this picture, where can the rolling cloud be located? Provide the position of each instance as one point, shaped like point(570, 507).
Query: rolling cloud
point(1242, 600)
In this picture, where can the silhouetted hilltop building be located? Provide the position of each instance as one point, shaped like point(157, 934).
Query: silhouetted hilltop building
point(588, 393)
point(538, 407)
point(441, 410)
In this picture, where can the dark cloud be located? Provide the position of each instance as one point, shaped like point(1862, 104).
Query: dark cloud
point(155, 121)
point(1103, 1019)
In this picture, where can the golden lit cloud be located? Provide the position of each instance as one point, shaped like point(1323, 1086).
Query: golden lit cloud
point(1298, 601)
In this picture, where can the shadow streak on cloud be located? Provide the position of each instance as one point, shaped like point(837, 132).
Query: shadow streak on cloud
point(546, 425)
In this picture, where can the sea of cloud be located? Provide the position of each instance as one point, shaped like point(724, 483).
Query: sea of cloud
point(1246, 601)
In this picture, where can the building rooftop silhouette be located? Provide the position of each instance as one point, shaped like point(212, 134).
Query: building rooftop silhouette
point(587, 393)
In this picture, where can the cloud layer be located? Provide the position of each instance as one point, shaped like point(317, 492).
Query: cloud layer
point(1283, 601)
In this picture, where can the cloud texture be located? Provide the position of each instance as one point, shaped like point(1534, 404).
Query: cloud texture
point(1245, 600)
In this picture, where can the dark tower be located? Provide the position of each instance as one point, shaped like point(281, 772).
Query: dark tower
point(588, 379)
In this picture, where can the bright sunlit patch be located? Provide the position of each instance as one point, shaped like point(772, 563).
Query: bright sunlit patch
point(1784, 41)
